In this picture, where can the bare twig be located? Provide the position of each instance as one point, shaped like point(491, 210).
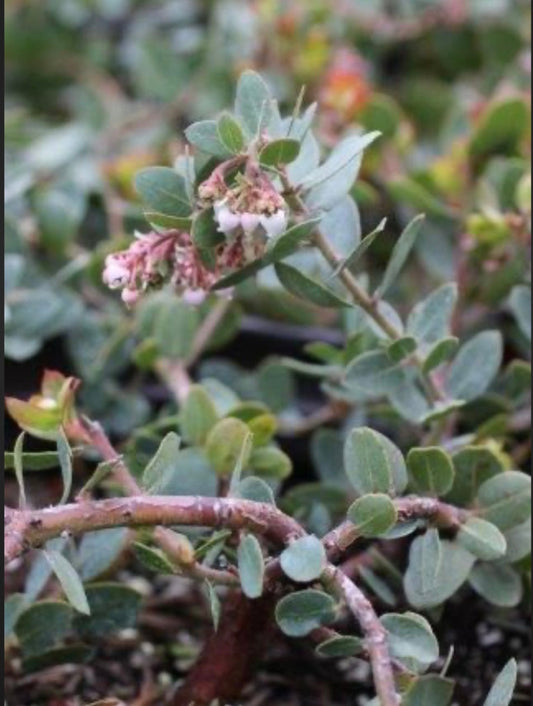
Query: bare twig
point(374, 632)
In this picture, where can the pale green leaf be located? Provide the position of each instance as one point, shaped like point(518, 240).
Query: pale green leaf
point(475, 366)
point(304, 559)
point(373, 514)
point(399, 255)
point(301, 612)
point(251, 566)
point(70, 581)
point(305, 288)
point(502, 690)
point(482, 538)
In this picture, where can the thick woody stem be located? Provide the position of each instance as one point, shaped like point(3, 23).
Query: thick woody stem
point(210, 677)
point(25, 529)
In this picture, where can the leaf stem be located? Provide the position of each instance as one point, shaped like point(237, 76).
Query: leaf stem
point(369, 304)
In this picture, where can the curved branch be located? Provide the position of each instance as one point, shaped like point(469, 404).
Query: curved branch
point(25, 529)
point(374, 632)
point(412, 507)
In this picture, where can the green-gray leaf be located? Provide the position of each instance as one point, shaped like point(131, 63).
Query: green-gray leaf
point(440, 352)
point(70, 581)
point(305, 288)
point(399, 254)
point(373, 463)
point(301, 612)
point(500, 584)
point(430, 470)
point(18, 465)
point(253, 488)
point(224, 445)
point(340, 646)
point(473, 466)
point(429, 689)
point(505, 499)
point(304, 559)
point(42, 625)
point(113, 607)
point(520, 303)
point(165, 457)
point(357, 253)
point(373, 373)
point(198, 416)
point(279, 152)
point(204, 136)
point(13, 607)
point(288, 242)
point(329, 183)
point(153, 559)
point(163, 190)
point(214, 604)
point(99, 550)
point(253, 105)
point(482, 538)
point(411, 639)
point(230, 133)
point(430, 559)
point(373, 514)
point(251, 566)
point(475, 366)
point(64, 453)
point(429, 321)
point(454, 569)
point(502, 690)
point(401, 348)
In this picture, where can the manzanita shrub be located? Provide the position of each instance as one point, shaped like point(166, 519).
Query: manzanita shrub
point(252, 193)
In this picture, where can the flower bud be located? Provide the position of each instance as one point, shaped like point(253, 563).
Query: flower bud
point(115, 274)
point(249, 222)
point(194, 297)
point(227, 220)
point(130, 296)
point(276, 224)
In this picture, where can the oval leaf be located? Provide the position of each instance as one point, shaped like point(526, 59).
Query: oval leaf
point(373, 514)
point(340, 646)
point(279, 152)
point(475, 366)
point(163, 190)
point(304, 559)
point(300, 613)
point(230, 133)
point(251, 566)
point(482, 538)
point(430, 470)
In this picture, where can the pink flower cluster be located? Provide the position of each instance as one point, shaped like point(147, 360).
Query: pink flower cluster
point(152, 260)
point(248, 214)
point(252, 208)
